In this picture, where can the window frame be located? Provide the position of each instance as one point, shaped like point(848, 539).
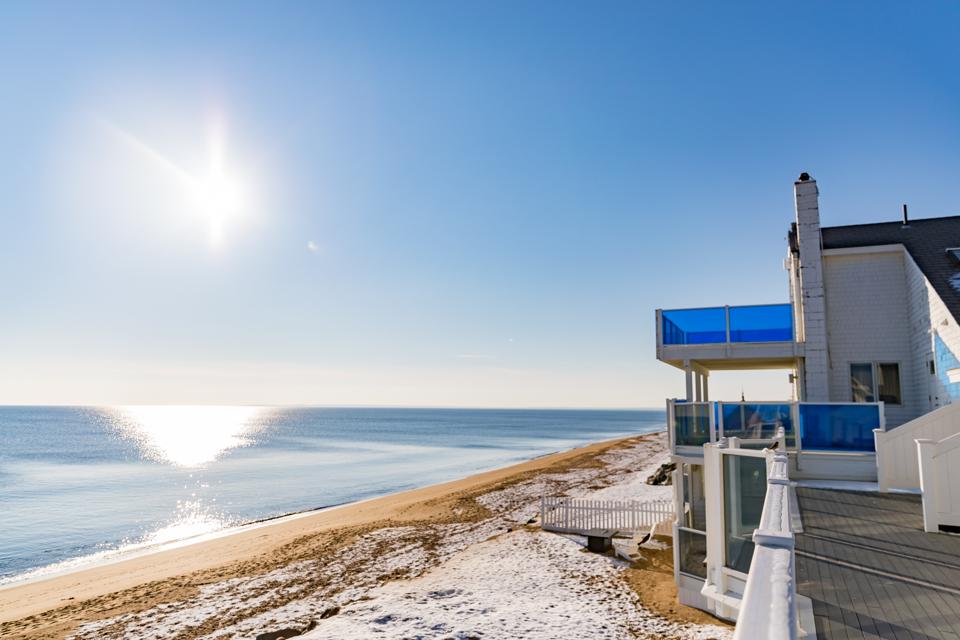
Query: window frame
point(875, 381)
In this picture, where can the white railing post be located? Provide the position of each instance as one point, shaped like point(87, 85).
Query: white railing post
point(712, 417)
point(928, 483)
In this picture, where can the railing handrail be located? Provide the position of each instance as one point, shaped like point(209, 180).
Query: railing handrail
point(568, 514)
point(728, 306)
point(769, 607)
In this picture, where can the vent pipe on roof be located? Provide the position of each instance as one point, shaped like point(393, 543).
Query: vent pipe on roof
point(906, 219)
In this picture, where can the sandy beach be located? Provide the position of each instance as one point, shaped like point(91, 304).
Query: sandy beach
point(459, 559)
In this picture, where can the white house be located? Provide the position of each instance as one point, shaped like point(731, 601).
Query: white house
point(870, 334)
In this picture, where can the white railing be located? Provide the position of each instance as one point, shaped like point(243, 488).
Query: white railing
point(769, 606)
point(897, 454)
point(937, 462)
point(574, 515)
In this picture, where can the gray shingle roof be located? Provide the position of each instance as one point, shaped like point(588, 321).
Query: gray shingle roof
point(926, 240)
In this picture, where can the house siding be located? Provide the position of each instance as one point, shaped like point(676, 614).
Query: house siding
point(935, 336)
point(868, 319)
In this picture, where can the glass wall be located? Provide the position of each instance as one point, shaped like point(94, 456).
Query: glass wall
point(761, 323)
point(839, 427)
point(692, 537)
point(744, 490)
point(695, 326)
point(694, 503)
point(691, 423)
point(692, 550)
point(757, 323)
point(753, 421)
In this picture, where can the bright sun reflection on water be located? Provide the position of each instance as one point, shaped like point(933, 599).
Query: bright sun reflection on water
point(187, 436)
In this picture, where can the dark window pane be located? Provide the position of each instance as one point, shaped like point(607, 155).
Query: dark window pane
point(861, 382)
point(888, 383)
point(744, 490)
point(694, 504)
point(693, 553)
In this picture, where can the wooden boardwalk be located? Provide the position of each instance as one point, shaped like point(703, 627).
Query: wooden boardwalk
point(872, 572)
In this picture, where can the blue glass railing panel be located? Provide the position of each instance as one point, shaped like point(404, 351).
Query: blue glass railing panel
point(755, 421)
point(761, 323)
point(838, 427)
point(691, 427)
point(695, 326)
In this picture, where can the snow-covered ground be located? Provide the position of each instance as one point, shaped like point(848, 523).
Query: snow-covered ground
point(526, 584)
point(492, 578)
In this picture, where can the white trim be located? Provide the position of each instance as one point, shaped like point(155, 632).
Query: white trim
point(876, 248)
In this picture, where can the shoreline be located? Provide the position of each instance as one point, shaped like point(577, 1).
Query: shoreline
point(120, 554)
point(32, 596)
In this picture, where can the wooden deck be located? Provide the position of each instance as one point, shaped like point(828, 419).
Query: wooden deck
point(872, 572)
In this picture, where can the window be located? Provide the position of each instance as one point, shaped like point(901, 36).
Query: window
point(744, 490)
point(861, 382)
point(872, 381)
point(694, 503)
point(888, 382)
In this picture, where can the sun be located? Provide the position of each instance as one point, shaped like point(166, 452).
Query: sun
point(219, 197)
point(215, 194)
point(219, 193)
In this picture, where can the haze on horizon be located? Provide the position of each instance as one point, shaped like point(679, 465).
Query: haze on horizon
point(435, 204)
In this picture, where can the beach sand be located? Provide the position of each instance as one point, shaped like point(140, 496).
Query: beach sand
point(448, 560)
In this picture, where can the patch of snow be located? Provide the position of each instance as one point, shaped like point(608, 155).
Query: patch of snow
point(527, 584)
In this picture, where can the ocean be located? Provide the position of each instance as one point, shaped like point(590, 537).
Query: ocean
point(84, 484)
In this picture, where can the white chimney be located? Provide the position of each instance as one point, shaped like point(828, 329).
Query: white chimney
point(813, 305)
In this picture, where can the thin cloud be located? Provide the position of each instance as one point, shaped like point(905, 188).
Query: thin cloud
point(475, 356)
point(312, 246)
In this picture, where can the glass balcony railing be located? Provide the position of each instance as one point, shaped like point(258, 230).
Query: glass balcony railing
point(692, 424)
point(843, 427)
point(722, 325)
point(808, 426)
point(757, 420)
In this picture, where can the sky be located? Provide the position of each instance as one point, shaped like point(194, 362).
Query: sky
point(434, 204)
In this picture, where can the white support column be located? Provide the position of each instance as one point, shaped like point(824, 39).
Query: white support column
point(706, 386)
point(688, 368)
point(812, 299)
point(699, 379)
point(928, 484)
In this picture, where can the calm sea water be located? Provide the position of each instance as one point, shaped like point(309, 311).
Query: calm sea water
point(79, 484)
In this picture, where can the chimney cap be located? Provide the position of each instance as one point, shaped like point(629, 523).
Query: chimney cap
point(804, 177)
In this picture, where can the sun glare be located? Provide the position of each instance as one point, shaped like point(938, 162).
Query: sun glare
point(214, 193)
point(187, 436)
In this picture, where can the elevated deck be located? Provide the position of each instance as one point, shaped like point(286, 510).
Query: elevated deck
point(729, 338)
point(871, 571)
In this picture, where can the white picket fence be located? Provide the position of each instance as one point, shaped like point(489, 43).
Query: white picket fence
point(572, 515)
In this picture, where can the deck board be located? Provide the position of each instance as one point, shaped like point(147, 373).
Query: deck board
point(871, 571)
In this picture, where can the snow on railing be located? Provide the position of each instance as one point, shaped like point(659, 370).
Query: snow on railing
point(573, 515)
point(769, 606)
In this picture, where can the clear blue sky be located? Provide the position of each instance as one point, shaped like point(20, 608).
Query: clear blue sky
point(433, 203)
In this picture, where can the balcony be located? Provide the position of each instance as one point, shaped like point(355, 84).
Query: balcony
point(833, 427)
point(742, 337)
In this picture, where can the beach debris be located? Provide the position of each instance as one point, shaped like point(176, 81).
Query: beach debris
point(289, 632)
point(600, 540)
point(663, 475)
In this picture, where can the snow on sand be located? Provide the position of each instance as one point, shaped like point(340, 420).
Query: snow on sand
point(492, 578)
